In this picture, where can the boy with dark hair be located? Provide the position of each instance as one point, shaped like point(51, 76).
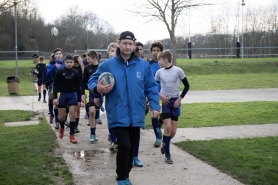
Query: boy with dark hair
point(155, 48)
point(87, 96)
point(140, 52)
point(47, 82)
point(57, 63)
point(79, 67)
point(136, 161)
point(67, 83)
point(170, 77)
point(39, 71)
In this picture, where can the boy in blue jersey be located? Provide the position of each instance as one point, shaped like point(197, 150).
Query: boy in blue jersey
point(155, 48)
point(47, 82)
point(139, 52)
point(170, 77)
point(57, 63)
point(125, 103)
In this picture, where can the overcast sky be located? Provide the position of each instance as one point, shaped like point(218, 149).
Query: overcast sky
point(116, 14)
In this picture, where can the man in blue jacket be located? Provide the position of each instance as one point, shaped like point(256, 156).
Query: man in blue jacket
point(125, 102)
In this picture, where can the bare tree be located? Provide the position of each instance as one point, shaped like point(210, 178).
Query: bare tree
point(167, 11)
point(5, 5)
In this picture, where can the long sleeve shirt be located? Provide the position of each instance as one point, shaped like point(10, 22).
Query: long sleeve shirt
point(66, 80)
point(88, 71)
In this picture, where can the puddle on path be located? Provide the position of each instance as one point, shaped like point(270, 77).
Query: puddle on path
point(96, 161)
point(88, 155)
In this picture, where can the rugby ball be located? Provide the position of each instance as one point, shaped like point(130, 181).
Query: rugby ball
point(54, 31)
point(106, 78)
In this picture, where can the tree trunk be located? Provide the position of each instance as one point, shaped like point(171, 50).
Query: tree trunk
point(174, 49)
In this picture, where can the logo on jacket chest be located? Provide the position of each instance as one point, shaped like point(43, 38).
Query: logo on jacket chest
point(138, 74)
point(68, 76)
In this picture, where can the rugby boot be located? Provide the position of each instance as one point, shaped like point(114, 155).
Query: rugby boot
point(168, 159)
point(72, 139)
point(61, 133)
point(157, 143)
point(137, 162)
point(99, 121)
point(51, 119)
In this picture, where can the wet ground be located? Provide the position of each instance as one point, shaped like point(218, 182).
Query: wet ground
point(95, 164)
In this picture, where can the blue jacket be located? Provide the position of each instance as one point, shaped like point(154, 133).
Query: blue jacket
point(126, 103)
point(52, 67)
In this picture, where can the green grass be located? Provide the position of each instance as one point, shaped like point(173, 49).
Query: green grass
point(251, 161)
point(217, 74)
point(232, 81)
point(27, 153)
point(202, 74)
point(228, 66)
point(26, 85)
point(223, 114)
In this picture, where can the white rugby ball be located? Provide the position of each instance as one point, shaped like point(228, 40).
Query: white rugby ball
point(54, 31)
point(106, 78)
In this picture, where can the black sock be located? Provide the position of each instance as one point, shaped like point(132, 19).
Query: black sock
point(76, 122)
point(40, 95)
point(62, 123)
point(72, 126)
point(44, 94)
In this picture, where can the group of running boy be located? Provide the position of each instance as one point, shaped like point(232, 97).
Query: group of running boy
point(67, 83)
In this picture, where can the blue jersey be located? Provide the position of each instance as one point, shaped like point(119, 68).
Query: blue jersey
point(52, 67)
point(155, 67)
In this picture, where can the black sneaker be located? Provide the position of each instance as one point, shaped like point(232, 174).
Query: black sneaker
point(76, 130)
point(168, 159)
point(57, 125)
point(51, 118)
point(109, 138)
point(113, 147)
point(39, 99)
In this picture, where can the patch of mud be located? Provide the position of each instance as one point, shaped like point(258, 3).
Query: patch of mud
point(97, 162)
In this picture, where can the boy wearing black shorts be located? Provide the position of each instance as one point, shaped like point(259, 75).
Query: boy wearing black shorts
point(39, 71)
point(170, 77)
point(66, 93)
point(92, 101)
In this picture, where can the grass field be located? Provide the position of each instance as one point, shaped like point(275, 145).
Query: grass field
point(224, 114)
point(251, 161)
point(219, 74)
point(202, 74)
point(26, 155)
point(26, 85)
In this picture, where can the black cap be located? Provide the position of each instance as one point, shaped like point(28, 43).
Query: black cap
point(125, 34)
